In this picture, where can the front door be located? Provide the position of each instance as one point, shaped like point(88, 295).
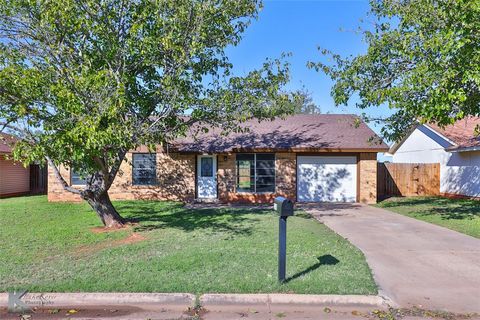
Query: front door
point(207, 177)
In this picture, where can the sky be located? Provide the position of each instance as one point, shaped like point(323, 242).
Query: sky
point(299, 27)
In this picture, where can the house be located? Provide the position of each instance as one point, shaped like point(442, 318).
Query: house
point(14, 177)
point(455, 147)
point(308, 158)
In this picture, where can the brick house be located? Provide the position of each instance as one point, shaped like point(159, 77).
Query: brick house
point(308, 158)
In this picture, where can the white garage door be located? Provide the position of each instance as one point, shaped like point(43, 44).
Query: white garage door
point(326, 179)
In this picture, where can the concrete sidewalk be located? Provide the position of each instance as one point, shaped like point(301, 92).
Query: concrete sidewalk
point(413, 262)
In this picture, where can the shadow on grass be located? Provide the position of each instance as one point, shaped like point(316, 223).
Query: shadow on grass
point(447, 209)
point(324, 260)
point(156, 215)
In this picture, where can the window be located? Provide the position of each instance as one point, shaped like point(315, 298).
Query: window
point(256, 172)
point(245, 172)
point(144, 170)
point(77, 179)
point(206, 167)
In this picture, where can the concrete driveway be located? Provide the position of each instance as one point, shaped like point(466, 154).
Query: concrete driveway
point(413, 262)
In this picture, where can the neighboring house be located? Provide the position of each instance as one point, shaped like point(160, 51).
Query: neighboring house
point(14, 177)
point(308, 158)
point(455, 147)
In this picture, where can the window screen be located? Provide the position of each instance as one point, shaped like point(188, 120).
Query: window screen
point(256, 172)
point(265, 173)
point(144, 169)
point(245, 172)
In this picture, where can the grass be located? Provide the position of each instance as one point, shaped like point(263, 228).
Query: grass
point(456, 214)
point(50, 247)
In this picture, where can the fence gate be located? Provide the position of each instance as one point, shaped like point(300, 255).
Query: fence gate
point(408, 179)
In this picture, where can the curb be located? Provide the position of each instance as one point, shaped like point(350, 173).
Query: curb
point(102, 299)
point(186, 300)
point(293, 299)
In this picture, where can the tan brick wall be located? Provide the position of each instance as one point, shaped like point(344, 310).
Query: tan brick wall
point(367, 178)
point(285, 167)
point(286, 175)
point(176, 177)
point(175, 174)
point(56, 193)
point(226, 176)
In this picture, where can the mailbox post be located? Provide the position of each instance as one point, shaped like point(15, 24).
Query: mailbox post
point(284, 208)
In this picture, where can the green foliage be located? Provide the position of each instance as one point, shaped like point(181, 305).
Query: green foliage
point(303, 102)
point(423, 60)
point(83, 81)
point(179, 250)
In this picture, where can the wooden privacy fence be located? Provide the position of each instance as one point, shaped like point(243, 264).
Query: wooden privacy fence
point(408, 179)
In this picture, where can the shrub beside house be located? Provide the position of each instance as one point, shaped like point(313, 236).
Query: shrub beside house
point(308, 158)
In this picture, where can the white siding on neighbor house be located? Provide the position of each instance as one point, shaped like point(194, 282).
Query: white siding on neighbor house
point(14, 177)
point(459, 171)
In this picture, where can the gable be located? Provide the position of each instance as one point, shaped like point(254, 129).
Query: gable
point(421, 138)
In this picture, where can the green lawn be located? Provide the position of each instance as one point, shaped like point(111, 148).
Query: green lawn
point(50, 247)
point(460, 215)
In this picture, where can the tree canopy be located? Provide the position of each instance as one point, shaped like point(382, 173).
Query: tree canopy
point(84, 81)
point(303, 102)
point(423, 61)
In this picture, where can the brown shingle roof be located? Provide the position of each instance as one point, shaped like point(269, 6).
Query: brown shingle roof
point(7, 141)
point(462, 133)
point(296, 133)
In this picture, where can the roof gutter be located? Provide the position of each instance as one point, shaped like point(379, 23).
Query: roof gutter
point(464, 149)
point(286, 150)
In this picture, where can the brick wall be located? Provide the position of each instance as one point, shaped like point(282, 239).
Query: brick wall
point(176, 177)
point(286, 175)
point(175, 174)
point(55, 189)
point(367, 177)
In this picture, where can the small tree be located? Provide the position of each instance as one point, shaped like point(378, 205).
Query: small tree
point(303, 102)
point(84, 81)
point(422, 61)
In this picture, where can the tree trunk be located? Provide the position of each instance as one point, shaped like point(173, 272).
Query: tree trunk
point(105, 210)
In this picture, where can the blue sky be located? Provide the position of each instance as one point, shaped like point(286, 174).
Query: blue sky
point(299, 27)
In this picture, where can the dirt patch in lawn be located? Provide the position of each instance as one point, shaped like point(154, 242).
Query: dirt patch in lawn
point(127, 226)
point(132, 238)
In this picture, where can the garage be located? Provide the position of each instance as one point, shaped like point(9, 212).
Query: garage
point(327, 178)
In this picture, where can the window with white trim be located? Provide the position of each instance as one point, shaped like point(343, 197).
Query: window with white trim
point(255, 172)
point(144, 171)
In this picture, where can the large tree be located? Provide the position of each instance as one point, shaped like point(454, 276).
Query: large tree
point(423, 61)
point(84, 81)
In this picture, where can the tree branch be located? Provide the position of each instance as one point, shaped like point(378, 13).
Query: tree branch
point(60, 178)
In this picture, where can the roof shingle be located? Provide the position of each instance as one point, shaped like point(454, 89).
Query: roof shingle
point(462, 133)
point(330, 132)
